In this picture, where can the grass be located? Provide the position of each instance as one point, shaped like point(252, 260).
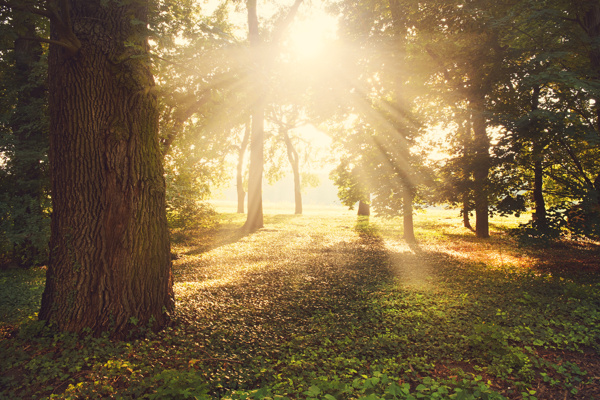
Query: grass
point(330, 306)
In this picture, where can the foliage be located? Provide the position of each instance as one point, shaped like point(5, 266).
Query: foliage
point(335, 308)
point(534, 233)
point(351, 184)
point(24, 183)
point(187, 187)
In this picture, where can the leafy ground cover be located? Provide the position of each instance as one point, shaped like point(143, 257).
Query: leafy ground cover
point(331, 306)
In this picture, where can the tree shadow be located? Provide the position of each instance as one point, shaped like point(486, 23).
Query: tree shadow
point(279, 218)
point(301, 303)
point(209, 239)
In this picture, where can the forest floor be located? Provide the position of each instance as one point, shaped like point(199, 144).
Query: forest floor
point(331, 306)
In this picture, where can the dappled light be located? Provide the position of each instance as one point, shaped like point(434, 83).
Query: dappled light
point(410, 264)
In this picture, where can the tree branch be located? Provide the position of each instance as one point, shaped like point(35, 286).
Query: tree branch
point(67, 40)
point(438, 60)
point(50, 41)
point(278, 34)
point(576, 162)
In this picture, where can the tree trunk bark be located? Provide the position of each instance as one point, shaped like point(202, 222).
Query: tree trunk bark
point(110, 267)
point(241, 194)
point(255, 219)
point(481, 169)
point(295, 163)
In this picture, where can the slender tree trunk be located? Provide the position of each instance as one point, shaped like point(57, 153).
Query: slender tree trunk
point(254, 219)
point(466, 143)
point(295, 163)
point(110, 266)
point(364, 209)
point(241, 194)
point(538, 172)
point(466, 210)
point(538, 195)
point(400, 27)
point(481, 169)
point(297, 192)
point(407, 214)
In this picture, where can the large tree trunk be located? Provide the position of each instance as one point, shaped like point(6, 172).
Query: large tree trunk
point(241, 193)
point(295, 163)
point(110, 265)
point(254, 219)
point(481, 168)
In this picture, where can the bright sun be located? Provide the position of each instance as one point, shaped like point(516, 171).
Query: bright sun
point(309, 35)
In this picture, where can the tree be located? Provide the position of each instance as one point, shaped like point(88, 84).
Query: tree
point(385, 92)
point(254, 219)
point(352, 187)
point(285, 120)
point(109, 267)
point(260, 62)
point(547, 105)
point(463, 40)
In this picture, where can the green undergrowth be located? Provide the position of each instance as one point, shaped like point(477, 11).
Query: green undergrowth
point(329, 307)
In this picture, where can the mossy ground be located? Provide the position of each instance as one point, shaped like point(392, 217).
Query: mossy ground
point(328, 305)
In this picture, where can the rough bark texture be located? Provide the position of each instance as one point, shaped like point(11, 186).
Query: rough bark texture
point(254, 219)
point(481, 170)
point(239, 177)
point(110, 262)
point(295, 163)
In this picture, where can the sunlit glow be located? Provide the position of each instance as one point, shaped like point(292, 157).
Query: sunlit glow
point(309, 36)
